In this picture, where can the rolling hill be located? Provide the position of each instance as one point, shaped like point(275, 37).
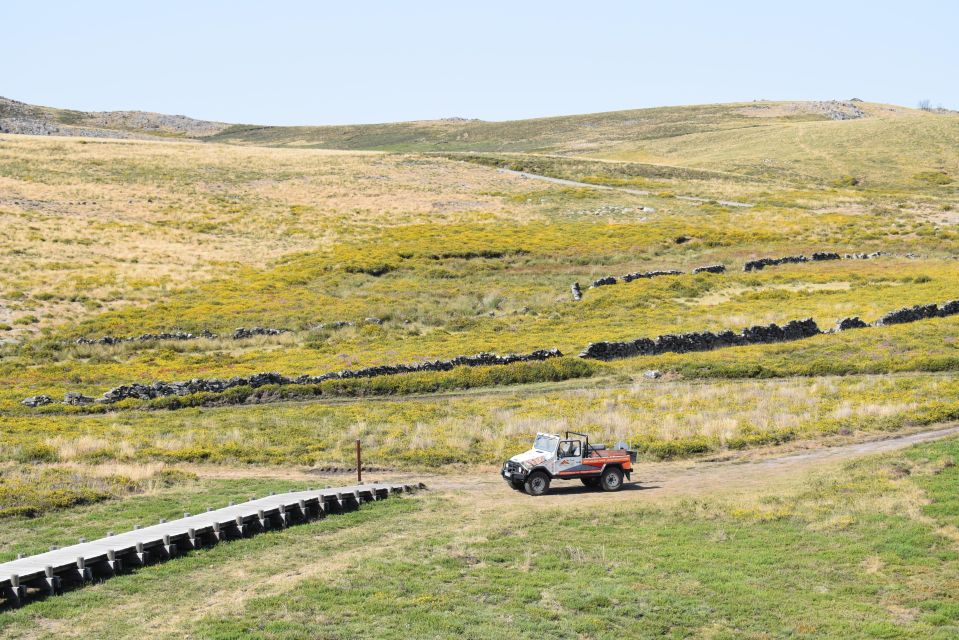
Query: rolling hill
point(797, 142)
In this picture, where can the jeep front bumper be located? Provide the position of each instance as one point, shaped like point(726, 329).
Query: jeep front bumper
point(513, 472)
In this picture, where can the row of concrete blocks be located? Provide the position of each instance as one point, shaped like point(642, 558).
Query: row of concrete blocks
point(54, 580)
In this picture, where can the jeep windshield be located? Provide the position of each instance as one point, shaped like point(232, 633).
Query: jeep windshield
point(545, 443)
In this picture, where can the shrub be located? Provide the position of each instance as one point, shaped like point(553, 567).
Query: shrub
point(938, 178)
point(846, 181)
point(36, 452)
point(677, 448)
point(747, 440)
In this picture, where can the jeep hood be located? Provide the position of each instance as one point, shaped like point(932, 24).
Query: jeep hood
point(530, 458)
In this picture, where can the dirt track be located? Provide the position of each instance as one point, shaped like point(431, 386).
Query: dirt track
point(740, 472)
point(605, 187)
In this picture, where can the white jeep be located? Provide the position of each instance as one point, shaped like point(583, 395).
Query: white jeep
point(569, 458)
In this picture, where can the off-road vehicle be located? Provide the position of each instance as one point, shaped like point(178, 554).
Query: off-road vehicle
point(569, 458)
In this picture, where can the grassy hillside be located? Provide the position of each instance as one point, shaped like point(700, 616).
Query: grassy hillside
point(412, 244)
point(796, 142)
point(786, 141)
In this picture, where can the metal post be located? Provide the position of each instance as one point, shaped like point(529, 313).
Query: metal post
point(359, 463)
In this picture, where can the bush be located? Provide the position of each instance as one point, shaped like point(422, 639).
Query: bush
point(678, 448)
point(846, 181)
point(938, 178)
point(747, 440)
point(36, 452)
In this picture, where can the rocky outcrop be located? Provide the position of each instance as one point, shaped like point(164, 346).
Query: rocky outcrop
point(216, 385)
point(701, 341)
point(713, 268)
point(36, 401)
point(838, 110)
point(576, 291)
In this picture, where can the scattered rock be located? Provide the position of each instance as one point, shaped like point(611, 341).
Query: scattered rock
point(609, 210)
point(681, 239)
point(839, 110)
point(653, 374)
point(373, 321)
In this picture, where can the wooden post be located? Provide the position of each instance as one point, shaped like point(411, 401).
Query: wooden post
point(359, 463)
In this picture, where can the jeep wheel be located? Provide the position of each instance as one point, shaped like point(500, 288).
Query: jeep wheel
point(612, 479)
point(591, 483)
point(537, 483)
point(518, 485)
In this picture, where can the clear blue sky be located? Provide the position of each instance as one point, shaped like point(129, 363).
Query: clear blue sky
point(286, 62)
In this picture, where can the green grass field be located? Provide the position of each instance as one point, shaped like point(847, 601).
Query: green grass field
point(864, 550)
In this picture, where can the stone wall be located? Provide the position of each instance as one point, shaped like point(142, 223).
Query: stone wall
point(701, 341)
point(712, 268)
point(639, 275)
point(175, 335)
point(762, 263)
point(763, 334)
point(215, 385)
point(243, 333)
point(239, 334)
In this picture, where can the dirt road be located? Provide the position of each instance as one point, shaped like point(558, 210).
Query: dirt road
point(741, 473)
point(733, 472)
